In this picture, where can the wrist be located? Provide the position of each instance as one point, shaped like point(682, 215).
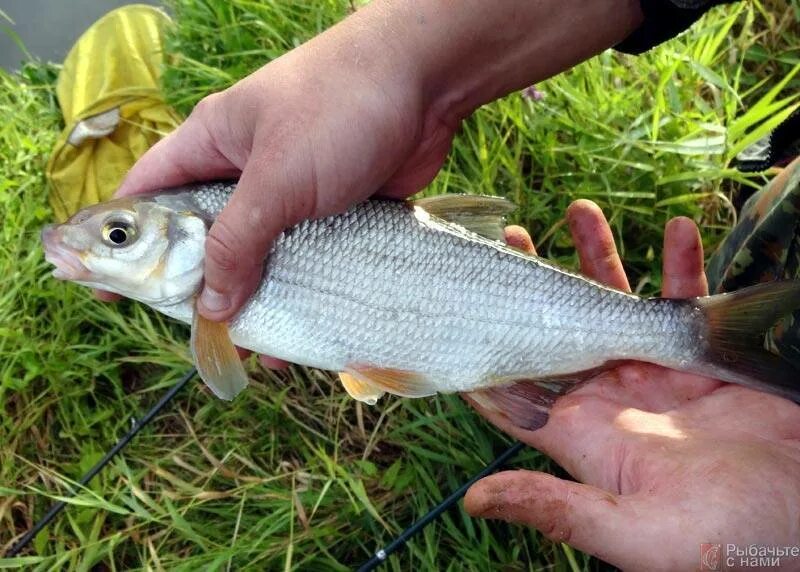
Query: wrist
point(370, 60)
point(468, 53)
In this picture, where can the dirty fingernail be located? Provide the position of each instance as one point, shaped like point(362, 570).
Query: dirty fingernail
point(214, 301)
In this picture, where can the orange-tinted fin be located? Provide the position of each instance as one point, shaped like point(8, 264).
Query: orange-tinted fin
point(396, 381)
point(216, 359)
point(361, 389)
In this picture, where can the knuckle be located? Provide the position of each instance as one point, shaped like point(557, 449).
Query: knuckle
point(222, 248)
point(558, 531)
point(205, 107)
point(599, 246)
point(550, 509)
point(257, 216)
point(294, 207)
point(555, 524)
point(607, 257)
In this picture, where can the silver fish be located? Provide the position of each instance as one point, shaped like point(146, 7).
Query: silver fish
point(403, 297)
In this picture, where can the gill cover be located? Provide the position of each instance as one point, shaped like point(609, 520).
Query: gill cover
point(135, 247)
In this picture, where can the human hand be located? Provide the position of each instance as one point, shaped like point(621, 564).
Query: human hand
point(369, 105)
point(668, 460)
point(309, 134)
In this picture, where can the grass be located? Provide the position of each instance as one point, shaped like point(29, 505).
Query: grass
point(296, 475)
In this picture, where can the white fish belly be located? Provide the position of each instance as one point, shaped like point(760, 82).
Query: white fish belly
point(384, 286)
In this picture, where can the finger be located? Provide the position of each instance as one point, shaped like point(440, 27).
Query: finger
point(580, 433)
point(583, 516)
point(187, 154)
point(595, 244)
point(684, 274)
point(266, 201)
point(517, 237)
point(270, 362)
point(104, 296)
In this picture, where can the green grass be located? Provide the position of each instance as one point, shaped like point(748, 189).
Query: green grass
point(295, 475)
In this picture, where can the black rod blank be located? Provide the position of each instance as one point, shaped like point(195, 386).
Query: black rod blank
point(377, 559)
point(137, 426)
point(381, 555)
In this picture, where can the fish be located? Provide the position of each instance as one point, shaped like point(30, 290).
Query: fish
point(415, 298)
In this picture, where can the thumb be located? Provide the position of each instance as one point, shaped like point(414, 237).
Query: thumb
point(583, 516)
point(261, 207)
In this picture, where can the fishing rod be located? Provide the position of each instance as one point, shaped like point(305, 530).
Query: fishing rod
point(381, 555)
point(376, 560)
point(120, 445)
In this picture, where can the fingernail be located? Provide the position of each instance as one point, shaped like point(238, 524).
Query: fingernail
point(214, 301)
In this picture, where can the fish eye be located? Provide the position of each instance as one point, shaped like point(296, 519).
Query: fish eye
point(118, 233)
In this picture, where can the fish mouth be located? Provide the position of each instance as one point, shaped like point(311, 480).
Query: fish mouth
point(67, 262)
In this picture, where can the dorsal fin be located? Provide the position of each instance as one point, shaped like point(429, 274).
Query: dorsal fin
point(482, 214)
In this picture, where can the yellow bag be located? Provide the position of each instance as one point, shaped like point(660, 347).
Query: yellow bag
point(113, 108)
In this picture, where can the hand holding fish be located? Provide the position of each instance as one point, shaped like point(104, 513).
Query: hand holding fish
point(370, 106)
point(415, 299)
point(437, 307)
point(668, 460)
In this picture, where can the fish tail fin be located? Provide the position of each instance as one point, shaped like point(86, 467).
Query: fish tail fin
point(737, 322)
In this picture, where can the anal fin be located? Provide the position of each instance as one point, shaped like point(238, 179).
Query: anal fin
point(395, 381)
point(361, 389)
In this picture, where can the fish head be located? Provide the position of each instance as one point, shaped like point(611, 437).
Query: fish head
point(149, 248)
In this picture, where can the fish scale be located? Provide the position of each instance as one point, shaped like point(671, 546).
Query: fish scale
point(378, 285)
point(414, 303)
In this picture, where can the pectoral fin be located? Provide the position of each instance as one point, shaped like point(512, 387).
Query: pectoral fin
point(361, 389)
point(216, 359)
point(396, 381)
